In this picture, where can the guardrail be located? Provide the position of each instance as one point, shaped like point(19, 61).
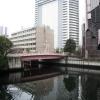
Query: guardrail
point(32, 54)
point(79, 61)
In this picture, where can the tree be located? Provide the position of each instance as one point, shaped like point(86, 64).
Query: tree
point(70, 46)
point(5, 45)
point(70, 83)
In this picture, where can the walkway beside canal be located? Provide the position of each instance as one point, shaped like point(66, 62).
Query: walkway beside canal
point(78, 61)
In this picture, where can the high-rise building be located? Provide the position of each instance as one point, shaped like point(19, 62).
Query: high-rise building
point(92, 36)
point(63, 13)
point(93, 14)
point(3, 30)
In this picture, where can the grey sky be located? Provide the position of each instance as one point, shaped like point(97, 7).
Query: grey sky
point(16, 13)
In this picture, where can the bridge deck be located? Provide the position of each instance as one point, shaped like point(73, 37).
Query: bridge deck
point(71, 61)
point(29, 57)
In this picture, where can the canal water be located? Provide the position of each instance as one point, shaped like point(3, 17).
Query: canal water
point(49, 84)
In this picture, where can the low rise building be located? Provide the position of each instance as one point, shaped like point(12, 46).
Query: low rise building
point(36, 39)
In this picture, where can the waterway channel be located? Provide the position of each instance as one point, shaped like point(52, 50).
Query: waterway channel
point(49, 83)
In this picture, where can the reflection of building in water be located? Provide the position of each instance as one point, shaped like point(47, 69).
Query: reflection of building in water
point(40, 89)
point(90, 88)
point(50, 89)
point(66, 95)
point(62, 93)
point(14, 77)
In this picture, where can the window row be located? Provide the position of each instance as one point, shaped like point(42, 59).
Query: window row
point(28, 44)
point(17, 37)
point(25, 40)
point(29, 30)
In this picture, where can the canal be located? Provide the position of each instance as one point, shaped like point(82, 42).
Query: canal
point(49, 83)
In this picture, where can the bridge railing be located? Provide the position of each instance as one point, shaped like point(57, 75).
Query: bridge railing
point(32, 54)
point(79, 61)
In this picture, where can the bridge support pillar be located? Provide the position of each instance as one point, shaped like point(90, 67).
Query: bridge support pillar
point(14, 62)
point(22, 64)
point(40, 65)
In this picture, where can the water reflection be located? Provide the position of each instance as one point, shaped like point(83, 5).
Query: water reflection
point(70, 83)
point(28, 86)
point(90, 87)
point(38, 88)
point(30, 75)
point(4, 94)
point(47, 89)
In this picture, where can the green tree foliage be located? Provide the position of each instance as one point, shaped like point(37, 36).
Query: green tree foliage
point(70, 83)
point(5, 45)
point(3, 62)
point(70, 46)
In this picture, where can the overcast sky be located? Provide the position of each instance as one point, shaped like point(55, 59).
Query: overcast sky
point(16, 13)
point(21, 13)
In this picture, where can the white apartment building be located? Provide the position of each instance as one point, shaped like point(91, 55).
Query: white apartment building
point(34, 39)
point(67, 19)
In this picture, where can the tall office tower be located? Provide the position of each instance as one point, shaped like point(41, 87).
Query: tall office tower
point(93, 15)
point(62, 16)
point(92, 36)
point(3, 30)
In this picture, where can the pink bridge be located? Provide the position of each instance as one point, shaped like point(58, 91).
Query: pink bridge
point(41, 57)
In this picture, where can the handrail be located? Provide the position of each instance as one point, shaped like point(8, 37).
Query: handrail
point(82, 62)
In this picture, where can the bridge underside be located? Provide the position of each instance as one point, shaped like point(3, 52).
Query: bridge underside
point(33, 61)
